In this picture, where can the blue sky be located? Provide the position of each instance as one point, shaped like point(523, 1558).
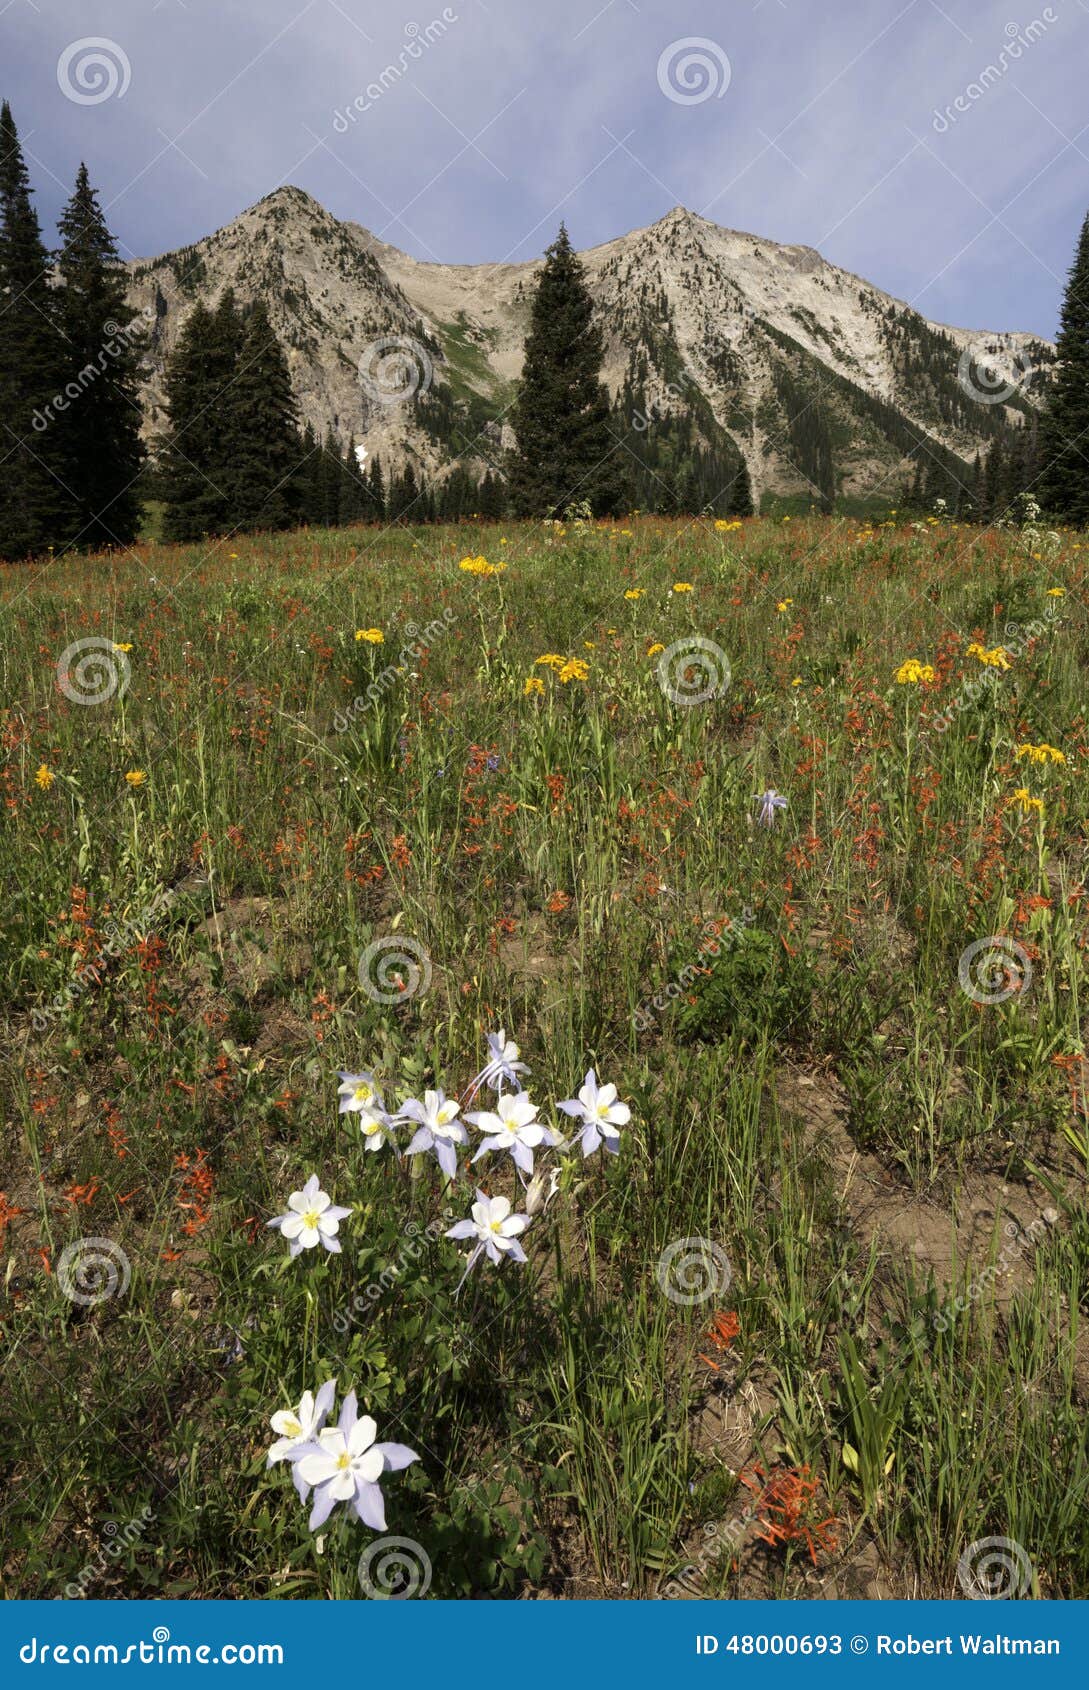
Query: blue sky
point(833, 123)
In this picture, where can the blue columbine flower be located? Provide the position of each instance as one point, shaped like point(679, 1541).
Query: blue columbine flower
point(600, 1113)
point(769, 802)
point(439, 1129)
point(343, 1464)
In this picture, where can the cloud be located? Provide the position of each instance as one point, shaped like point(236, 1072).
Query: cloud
point(494, 118)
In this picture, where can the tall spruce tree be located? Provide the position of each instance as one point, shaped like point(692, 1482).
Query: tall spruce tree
point(1064, 434)
point(99, 431)
point(197, 460)
point(35, 506)
point(263, 431)
point(566, 452)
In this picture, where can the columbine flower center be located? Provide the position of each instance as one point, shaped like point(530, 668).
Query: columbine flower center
point(362, 1094)
point(310, 1219)
point(344, 1460)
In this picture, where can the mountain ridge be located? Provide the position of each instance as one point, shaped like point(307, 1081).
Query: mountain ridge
point(808, 370)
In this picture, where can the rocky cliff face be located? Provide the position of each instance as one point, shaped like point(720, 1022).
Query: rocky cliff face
point(789, 356)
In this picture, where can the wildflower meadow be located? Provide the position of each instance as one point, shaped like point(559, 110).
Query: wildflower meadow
point(547, 1061)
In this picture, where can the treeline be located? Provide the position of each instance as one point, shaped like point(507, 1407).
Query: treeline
point(70, 351)
point(989, 490)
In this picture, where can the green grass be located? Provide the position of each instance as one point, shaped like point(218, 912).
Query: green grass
point(814, 1095)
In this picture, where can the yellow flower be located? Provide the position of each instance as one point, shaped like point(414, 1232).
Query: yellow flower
point(373, 636)
point(996, 658)
point(574, 670)
point(551, 659)
point(1043, 753)
point(682, 586)
point(797, 681)
point(1056, 592)
point(625, 534)
point(912, 672)
point(125, 646)
point(534, 684)
point(784, 604)
point(724, 527)
point(653, 650)
point(480, 566)
point(136, 777)
point(634, 592)
point(45, 777)
point(1021, 796)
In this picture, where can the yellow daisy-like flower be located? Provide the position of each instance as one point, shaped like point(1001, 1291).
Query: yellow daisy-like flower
point(797, 681)
point(1056, 592)
point(682, 586)
point(1027, 803)
point(996, 658)
point(551, 660)
point(44, 777)
point(125, 645)
point(136, 777)
point(634, 592)
point(480, 566)
point(373, 636)
point(724, 527)
point(912, 672)
point(1043, 753)
point(574, 670)
point(653, 650)
point(534, 684)
point(784, 604)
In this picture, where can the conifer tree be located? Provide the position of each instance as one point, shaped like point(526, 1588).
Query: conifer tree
point(354, 496)
point(263, 429)
point(376, 491)
point(35, 507)
point(1064, 435)
point(99, 430)
point(198, 457)
point(566, 452)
